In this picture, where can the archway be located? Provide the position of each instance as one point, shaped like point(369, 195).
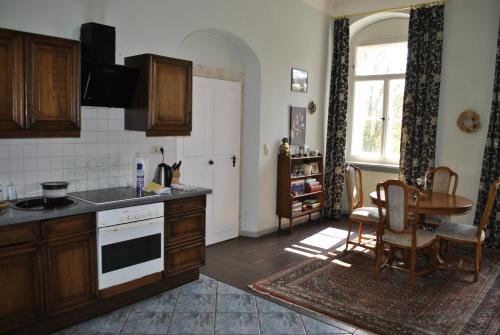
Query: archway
point(220, 54)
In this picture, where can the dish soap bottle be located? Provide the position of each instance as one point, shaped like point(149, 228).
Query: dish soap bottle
point(11, 190)
point(138, 159)
point(139, 183)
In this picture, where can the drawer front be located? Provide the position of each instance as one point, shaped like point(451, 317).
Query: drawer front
point(185, 257)
point(184, 205)
point(68, 225)
point(184, 227)
point(20, 233)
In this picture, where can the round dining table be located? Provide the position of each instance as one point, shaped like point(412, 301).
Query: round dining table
point(434, 203)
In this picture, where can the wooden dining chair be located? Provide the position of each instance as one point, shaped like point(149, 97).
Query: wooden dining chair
point(469, 234)
point(357, 210)
point(398, 226)
point(440, 181)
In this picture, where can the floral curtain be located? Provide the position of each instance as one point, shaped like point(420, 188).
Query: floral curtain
point(491, 164)
point(337, 112)
point(421, 97)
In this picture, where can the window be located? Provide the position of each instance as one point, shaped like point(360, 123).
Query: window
point(377, 90)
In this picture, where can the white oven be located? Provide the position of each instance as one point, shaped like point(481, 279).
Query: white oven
point(129, 243)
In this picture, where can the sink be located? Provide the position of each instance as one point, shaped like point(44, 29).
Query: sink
point(40, 204)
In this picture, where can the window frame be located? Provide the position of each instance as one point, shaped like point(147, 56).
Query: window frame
point(353, 78)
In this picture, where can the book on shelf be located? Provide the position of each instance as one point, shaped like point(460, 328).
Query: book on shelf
point(313, 188)
point(297, 187)
point(310, 201)
point(309, 206)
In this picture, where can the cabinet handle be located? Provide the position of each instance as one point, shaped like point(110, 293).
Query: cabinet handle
point(187, 247)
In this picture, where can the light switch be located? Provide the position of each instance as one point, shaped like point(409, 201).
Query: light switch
point(266, 150)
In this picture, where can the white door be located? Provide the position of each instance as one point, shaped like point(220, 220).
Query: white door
point(207, 155)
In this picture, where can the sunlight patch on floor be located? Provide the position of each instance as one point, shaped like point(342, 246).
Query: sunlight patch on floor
point(325, 239)
point(303, 253)
point(339, 262)
point(305, 248)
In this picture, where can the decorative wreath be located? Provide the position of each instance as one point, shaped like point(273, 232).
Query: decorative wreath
point(468, 121)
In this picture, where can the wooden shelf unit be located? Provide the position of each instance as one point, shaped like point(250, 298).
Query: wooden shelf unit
point(284, 196)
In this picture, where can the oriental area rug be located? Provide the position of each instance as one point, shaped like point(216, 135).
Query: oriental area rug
point(343, 286)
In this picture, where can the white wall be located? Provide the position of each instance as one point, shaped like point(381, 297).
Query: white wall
point(281, 33)
point(206, 48)
point(469, 50)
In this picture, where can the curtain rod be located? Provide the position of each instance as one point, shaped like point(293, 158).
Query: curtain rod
point(425, 4)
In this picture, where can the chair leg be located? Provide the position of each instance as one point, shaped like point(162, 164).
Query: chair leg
point(477, 264)
point(348, 235)
point(360, 232)
point(378, 257)
point(413, 265)
point(391, 256)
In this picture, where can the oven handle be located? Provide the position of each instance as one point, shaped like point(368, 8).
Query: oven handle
point(131, 225)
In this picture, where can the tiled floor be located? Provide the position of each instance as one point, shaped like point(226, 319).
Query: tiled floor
point(207, 306)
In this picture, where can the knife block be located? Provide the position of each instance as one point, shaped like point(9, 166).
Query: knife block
point(176, 177)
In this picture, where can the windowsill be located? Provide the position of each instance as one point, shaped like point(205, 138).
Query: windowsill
point(377, 167)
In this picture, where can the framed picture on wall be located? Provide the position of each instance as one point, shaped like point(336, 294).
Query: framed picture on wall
point(297, 125)
point(299, 80)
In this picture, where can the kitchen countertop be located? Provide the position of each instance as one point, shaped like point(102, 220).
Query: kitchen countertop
point(14, 216)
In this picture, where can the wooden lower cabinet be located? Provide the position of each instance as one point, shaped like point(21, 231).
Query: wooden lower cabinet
point(48, 269)
point(184, 257)
point(70, 273)
point(21, 300)
point(184, 227)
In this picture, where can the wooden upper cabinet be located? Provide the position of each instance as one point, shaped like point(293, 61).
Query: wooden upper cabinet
point(11, 80)
point(162, 101)
point(39, 86)
point(53, 84)
point(21, 298)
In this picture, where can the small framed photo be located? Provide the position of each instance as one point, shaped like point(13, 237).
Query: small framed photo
point(299, 80)
point(315, 167)
point(297, 125)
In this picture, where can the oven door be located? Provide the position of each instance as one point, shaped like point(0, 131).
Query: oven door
point(129, 251)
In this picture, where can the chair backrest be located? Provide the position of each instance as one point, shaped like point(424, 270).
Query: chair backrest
point(354, 186)
point(490, 201)
point(394, 196)
point(440, 178)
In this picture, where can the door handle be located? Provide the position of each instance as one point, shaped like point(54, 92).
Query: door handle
point(210, 162)
point(234, 160)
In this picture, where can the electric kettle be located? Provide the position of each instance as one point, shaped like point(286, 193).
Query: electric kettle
point(164, 172)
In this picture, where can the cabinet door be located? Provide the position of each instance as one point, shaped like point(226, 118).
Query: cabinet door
point(52, 85)
point(170, 108)
point(184, 257)
point(21, 287)
point(11, 80)
point(70, 273)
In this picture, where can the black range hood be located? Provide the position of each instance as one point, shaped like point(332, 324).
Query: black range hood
point(104, 83)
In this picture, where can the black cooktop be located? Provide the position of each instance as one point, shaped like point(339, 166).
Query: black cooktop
point(110, 195)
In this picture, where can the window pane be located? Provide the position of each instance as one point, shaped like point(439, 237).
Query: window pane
point(381, 59)
point(367, 123)
point(394, 113)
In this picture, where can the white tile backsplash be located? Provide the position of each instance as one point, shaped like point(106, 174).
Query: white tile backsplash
point(102, 157)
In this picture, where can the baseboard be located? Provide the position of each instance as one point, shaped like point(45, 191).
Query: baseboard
point(284, 226)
